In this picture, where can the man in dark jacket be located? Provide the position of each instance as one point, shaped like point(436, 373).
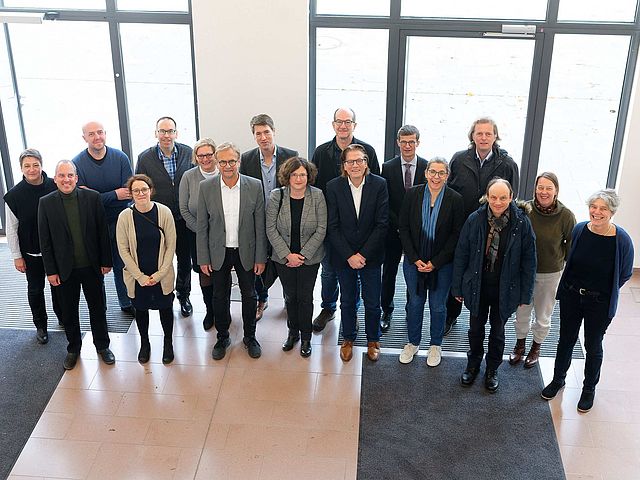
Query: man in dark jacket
point(165, 163)
point(494, 269)
point(471, 171)
point(326, 158)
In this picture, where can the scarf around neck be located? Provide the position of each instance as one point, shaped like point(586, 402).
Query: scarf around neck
point(496, 225)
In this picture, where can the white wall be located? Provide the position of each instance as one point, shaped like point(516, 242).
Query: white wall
point(252, 57)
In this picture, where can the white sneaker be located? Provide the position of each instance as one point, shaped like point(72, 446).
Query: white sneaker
point(408, 352)
point(434, 357)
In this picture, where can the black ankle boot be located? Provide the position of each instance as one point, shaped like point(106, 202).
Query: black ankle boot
point(145, 351)
point(167, 352)
point(291, 340)
point(305, 348)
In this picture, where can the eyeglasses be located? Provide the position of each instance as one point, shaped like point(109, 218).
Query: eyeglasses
point(208, 156)
point(162, 131)
point(347, 123)
point(140, 191)
point(298, 175)
point(437, 173)
point(357, 161)
point(224, 163)
point(405, 143)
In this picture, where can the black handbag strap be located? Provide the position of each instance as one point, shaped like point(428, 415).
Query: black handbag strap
point(280, 202)
point(147, 219)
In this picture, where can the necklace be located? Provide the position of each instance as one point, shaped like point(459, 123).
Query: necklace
point(605, 234)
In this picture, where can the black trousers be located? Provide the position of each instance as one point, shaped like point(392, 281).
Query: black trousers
point(183, 256)
point(35, 292)
point(221, 295)
point(454, 307)
point(297, 285)
point(166, 320)
point(393, 253)
point(92, 284)
point(574, 308)
point(489, 308)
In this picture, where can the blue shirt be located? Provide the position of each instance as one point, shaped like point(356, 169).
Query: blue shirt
point(268, 175)
point(169, 162)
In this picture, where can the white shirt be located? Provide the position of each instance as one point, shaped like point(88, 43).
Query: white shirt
point(231, 209)
point(12, 223)
point(413, 165)
point(356, 193)
point(488, 157)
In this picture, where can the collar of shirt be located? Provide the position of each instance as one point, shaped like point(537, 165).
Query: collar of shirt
point(487, 158)
point(353, 186)
point(275, 151)
point(224, 185)
point(413, 162)
point(162, 156)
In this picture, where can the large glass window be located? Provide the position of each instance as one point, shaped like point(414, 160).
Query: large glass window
point(154, 6)
point(353, 7)
point(56, 4)
point(502, 9)
point(579, 10)
point(159, 81)
point(582, 110)
point(352, 72)
point(452, 81)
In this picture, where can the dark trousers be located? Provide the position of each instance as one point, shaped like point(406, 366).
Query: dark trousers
point(595, 312)
point(262, 292)
point(35, 292)
point(118, 265)
point(297, 285)
point(489, 307)
point(183, 256)
point(390, 271)
point(221, 295)
point(92, 284)
point(367, 280)
point(166, 320)
point(454, 307)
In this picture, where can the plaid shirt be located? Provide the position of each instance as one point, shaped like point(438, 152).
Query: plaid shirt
point(169, 162)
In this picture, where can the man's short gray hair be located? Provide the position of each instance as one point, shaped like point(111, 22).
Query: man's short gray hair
point(66, 162)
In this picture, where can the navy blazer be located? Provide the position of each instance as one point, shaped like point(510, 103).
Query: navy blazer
point(364, 234)
point(250, 162)
point(393, 173)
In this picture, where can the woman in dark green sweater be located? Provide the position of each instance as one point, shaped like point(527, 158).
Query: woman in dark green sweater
point(552, 223)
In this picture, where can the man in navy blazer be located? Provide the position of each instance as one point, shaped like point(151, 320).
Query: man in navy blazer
point(401, 173)
point(263, 163)
point(358, 215)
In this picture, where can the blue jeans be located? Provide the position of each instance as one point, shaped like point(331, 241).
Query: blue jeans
point(118, 265)
point(329, 282)
point(437, 303)
point(369, 280)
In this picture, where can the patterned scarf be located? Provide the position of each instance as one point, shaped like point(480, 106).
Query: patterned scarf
point(496, 224)
point(546, 210)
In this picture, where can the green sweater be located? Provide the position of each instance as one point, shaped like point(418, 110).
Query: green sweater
point(553, 236)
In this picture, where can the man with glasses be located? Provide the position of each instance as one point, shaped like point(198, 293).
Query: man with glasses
point(358, 216)
point(327, 159)
point(263, 163)
point(106, 170)
point(401, 173)
point(231, 234)
point(165, 163)
point(471, 171)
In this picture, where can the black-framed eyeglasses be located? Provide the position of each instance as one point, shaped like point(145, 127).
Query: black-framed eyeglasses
point(348, 123)
point(298, 175)
point(357, 161)
point(437, 173)
point(138, 191)
point(224, 163)
point(162, 131)
point(205, 155)
point(410, 143)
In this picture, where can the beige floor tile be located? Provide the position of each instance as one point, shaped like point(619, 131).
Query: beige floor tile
point(280, 467)
point(268, 385)
point(243, 411)
point(333, 444)
point(216, 437)
point(342, 389)
point(23, 477)
point(610, 464)
point(194, 380)
point(81, 376)
point(616, 436)
point(108, 429)
point(187, 464)
point(65, 400)
point(144, 405)
point(53, 425)
point(177, 433)
point(313, 414)
point(574, 433)
point(266, 440)
point(131, 377)
point(583, 477)
point(135, 461)
point(56, 458)
point(223, 465)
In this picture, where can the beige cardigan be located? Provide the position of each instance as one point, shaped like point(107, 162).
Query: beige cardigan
point(128, 243)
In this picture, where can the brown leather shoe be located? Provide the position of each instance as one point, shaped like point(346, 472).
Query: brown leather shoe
point(532, 356)
point(262, 306)
point(373, 350)
point(346, 350)
point(518, 352)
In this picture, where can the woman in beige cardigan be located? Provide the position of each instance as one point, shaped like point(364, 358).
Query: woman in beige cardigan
point(146, 236)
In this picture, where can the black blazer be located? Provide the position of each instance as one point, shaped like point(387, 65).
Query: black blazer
point(250, 162)
point(393, 173)
point(364, 234)
point(55, 237)
point(450, 220)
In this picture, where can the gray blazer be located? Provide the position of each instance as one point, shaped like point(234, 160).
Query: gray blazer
point(211, 231)
point(313, 225)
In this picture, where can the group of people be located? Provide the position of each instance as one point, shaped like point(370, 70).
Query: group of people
point(464, 237)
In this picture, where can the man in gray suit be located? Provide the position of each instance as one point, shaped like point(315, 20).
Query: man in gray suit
point(231, 234)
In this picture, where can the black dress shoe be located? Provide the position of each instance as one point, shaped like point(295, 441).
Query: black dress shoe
point(186, 309)
point(70, 360)
point(305, 348)
point(469, 376)
point(586, 401)
point(107, 356)
point(550, 391)
point(291, 340)
point(491, 380)
point(207, 322)
point(42, 336)
point(129, 310)
point(451, 321)
point(167, 353)
point(145, 352)
point(220, 348)
point(385, 321)
point(324, 317)
point(252, 346)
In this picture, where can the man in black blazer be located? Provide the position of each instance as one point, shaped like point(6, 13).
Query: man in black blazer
point(358, 215)
point(263, 163)
point(401, 173)
point(327, 159)
point(74, 239)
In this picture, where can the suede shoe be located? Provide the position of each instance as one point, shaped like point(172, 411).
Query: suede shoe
point(408, 352)
point(260, 308)
point(586, 401)
point(220, 348)
point(550, 391)
point(451, 321)
point(491, 380)
point(385, 321)
point(346, 350)
point(42, 336)
point(107, 356)
point(373, 351)
point(145, 352)
point(291, 340)
point(469, 376)
point(324, 317)
point(434, 356)
point(305, 348)
point(186, 309)
point(70, 360)
point(252, 346)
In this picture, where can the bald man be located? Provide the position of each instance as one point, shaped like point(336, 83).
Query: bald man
point(106, 170)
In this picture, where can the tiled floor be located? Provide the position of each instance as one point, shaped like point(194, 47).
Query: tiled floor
point(281, 416)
